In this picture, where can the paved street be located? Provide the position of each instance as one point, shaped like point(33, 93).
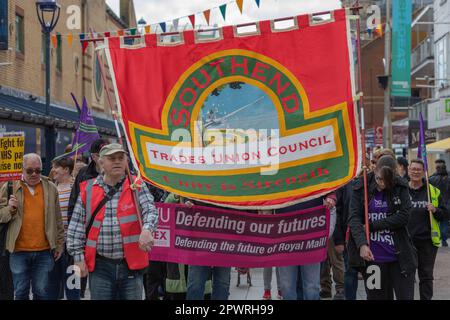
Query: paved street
point(255, 292)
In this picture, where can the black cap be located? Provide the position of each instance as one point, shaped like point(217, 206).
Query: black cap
point(97, 145)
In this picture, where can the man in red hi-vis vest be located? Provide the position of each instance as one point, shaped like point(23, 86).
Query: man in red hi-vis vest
point(104, 235)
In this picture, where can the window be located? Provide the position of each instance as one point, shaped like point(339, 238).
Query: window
point(20, 34)
point(441, 62)
point(59, 55)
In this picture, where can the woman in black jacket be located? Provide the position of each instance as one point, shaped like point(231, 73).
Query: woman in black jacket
point(389, 262)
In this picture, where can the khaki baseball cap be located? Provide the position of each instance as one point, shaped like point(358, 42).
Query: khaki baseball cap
point(110, 149)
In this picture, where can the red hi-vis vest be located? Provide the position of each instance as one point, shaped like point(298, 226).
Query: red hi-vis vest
point(91, 196)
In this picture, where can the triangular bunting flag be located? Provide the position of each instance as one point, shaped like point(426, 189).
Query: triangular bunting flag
point(107, 34)
point(240, 4)
point(70, 39)
point(223, 10)
point(147, 29)
point(207, 13)
point(257, 2)
point(163, 26)
point(84, 44)
point(369, 32)
point(133, 31)
point(54, 41)
point(192, 18)
point(58, 39)
point(120, 33)
point(175, 24)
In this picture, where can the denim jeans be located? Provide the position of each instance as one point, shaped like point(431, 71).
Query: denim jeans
point(300, 282)
point(267, 278)
point(32, 269)
point(63, 280)
point(114, 281)
point(444, 229)
point(350, 279)
point(197, 277)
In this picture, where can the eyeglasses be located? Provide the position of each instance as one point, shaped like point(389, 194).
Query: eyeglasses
point(378, 178)
point(31, 171)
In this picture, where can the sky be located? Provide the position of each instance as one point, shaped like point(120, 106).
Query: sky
point(156, 11)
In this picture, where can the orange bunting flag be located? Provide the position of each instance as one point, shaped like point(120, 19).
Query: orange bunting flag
point(147, 29)
point(70, 39)
point(54, 41)
point(240, 4)
point(207, 13)
point(120, 33)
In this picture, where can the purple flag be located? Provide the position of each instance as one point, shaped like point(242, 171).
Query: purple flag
point(422, 148)
point(86, 131)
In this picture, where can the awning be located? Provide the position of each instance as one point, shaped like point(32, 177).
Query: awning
point(441, 146)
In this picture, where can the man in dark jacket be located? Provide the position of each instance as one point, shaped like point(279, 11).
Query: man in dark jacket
point(441, 180)
point(344, 197)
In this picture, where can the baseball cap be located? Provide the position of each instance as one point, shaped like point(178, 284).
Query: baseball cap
point(110, 149)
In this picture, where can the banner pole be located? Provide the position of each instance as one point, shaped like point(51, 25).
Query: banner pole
point(362, 129)
point(133, 185)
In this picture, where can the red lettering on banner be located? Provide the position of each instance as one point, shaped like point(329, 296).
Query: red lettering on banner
point(259, 69)
point(277, 78)
point(155, 153)
point(176, 121)
point(217, 65)
point(311, 142)
point(285, 101)
point(202, 85)
point(188, 103)
point(243, 65)
point(164, 156)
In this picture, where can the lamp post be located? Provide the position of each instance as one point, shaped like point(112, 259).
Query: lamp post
point(48, 12)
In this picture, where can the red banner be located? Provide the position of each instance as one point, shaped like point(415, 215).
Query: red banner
point(261, 119)
point(212, 237)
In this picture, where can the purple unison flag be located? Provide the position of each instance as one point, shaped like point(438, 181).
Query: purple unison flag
point(86, 131)
point(422, 148)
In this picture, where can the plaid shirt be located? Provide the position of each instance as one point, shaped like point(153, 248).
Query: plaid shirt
point(109, 242)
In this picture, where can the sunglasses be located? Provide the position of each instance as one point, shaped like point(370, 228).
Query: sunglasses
point(31, 171)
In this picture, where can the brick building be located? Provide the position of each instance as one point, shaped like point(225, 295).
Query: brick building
point(22, 69)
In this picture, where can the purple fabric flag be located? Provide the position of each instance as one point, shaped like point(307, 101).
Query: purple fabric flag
point(422, 148)
point(86, 131)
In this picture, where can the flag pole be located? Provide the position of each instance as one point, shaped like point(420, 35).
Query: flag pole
point(133, 185)
point(362, 129)
point(422, 154)
point(76, 136)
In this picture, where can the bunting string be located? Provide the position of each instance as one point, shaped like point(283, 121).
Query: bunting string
point(56, 38)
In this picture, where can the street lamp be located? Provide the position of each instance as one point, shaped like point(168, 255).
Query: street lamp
point(48, 14)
